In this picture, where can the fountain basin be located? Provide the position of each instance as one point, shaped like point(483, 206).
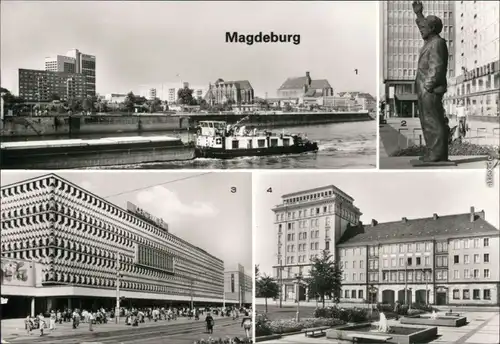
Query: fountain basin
point(441, 320)
point(399, 334)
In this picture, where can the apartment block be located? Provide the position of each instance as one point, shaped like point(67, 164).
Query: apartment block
point(40, 85)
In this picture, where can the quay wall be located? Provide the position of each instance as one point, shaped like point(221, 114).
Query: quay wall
point(63, 125)
point(88, 159)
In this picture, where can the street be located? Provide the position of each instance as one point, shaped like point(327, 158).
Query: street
point(152, 333)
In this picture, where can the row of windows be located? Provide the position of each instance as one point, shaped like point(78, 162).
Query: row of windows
point(345, 277)
point(476, 294)
point(353, 294)
point(302, 247)
point(395, 276)
point(314, 196)
point(477, 259)
point(467, 243)
point(474, 273)
point(354, 264)
point(407, 262)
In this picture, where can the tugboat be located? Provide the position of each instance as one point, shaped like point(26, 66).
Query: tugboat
point(217, 140)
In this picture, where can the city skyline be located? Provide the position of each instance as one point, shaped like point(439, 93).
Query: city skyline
point(196, 217)
point(122, 64)
point(457, 193)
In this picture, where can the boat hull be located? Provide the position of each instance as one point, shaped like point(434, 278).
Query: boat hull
point(220, 153)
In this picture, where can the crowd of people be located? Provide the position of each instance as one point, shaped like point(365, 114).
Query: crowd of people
point(135, 316)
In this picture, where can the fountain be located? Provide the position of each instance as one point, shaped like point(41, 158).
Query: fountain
point(383, 326)
point(434, 315)
point(381, 331)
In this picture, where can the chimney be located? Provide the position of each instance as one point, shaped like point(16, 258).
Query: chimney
point(435, 216)
point(374, 222)
point(481, 214)
point(404, 219)
point(472, 214)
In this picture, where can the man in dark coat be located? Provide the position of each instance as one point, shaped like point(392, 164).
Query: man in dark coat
point(431, 85)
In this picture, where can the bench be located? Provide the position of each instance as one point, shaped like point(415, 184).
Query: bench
point(315, 331)
point(356, 337)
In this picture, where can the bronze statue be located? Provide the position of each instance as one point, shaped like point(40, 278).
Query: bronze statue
point(431, 85)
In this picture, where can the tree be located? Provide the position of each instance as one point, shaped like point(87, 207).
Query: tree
point(267, 287)
point(288, 107)
point(257, 271)
point(325, 278)
point(87, 104)
point(204, 105)
point(185, 96)
point(129, 102)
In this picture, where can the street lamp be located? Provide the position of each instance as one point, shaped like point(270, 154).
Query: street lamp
point(299, 278)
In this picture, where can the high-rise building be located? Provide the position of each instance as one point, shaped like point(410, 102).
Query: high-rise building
point(401, 43)
point(41, 85)
point(477, 85)
point(443, 260)
point(75, 62)
point(152, 93)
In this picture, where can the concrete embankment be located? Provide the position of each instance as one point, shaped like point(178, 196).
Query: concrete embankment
point(77, 126)
point(88, 158)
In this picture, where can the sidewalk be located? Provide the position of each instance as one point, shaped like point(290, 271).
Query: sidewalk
point(14, 328)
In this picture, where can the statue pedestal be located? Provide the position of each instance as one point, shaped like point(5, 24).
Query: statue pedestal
point(420, 163)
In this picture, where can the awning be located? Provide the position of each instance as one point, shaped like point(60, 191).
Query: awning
point(407, 97)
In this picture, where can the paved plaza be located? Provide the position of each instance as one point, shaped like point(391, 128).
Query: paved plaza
point(180, 331)
point(482, 328)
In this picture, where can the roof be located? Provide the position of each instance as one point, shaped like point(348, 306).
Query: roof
point(424, 228)
point(299, 82)
point(242, 84)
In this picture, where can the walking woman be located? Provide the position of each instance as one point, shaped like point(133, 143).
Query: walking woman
point(246, 323)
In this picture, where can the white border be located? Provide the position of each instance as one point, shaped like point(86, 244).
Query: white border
point(378, 78)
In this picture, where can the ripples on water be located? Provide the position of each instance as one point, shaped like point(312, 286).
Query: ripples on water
point(341, 145)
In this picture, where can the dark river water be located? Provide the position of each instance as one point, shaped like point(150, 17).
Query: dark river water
point(341, 145)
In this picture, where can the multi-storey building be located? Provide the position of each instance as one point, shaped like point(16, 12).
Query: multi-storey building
point(75, 62)
point(305, 87)
point(309, 222)
point(152, 93)
point(477, 85)
point(438, 260)
point(85, 245)
point(238, 92)
point(401, 43)
point(40, 85)
point(237, 285)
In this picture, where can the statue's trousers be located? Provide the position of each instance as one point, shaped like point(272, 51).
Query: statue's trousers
point(432, 120)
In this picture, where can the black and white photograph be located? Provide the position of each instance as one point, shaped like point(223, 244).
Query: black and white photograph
point(439, 84)
point(401, 257)
point(188, 85)
point(138, 257)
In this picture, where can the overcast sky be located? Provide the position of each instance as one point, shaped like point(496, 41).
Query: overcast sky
point(143, 43)
point(384, 196)
point(201, 210)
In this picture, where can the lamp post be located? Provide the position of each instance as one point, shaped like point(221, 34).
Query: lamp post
point(426, 287)
point(297, 294)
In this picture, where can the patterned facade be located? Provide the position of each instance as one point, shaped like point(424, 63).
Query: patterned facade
point(401, 43)
point(40, 85)
point(81, 240)
point(238, 285)
point(237, 92)
point(307, 223)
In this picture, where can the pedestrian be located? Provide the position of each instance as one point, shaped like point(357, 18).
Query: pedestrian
point(28, 325)
point(90, 318)
point(41, 323)
point(246, 323)
point(210, 323)
point(52, 320)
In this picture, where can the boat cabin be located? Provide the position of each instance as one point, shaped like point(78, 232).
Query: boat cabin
point(245, 142)
point(211, 128)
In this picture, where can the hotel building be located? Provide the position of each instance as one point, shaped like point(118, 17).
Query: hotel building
point(401, 42)
point(75, 62)
point(477, 85)
point(237, 285)
point(442, 260)
point(39, 85)
point(66, 247)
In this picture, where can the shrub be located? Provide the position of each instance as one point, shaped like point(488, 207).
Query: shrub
point(226, 340)
point(262, 325)
point(385, 307)
point(344, 314)
point(455, 148)
point(415, 311)
point(289, 325)
point(422, 306)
